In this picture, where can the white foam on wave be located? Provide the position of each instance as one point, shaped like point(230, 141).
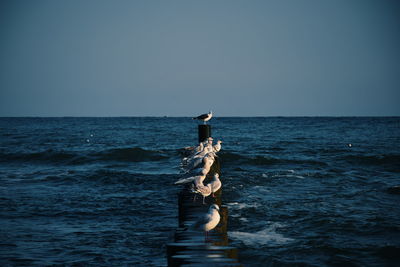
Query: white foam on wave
point(260, 188)
point(265, 237)
point(290, 176)
point(285, 174)
point(239, 206)
point(243, 219)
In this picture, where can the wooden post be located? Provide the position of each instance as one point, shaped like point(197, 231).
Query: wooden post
point(188, 246)
point(204, 132)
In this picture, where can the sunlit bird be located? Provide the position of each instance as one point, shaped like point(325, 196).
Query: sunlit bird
point(208, 221)
point(204, 117)
point(217, 146)
point(215, 184)
point(204, 190)
point(208, 189)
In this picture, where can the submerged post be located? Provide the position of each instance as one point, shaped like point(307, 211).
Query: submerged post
point(204, 132)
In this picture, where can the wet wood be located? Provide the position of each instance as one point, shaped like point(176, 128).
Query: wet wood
point(204, 132)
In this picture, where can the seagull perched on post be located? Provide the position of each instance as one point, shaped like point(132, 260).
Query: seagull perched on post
point(208, 221)
point(215, 184)
point(208, 189)
point(204, 117)
point(217, 147)
point(204, 190)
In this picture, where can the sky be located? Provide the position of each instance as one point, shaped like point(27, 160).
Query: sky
point(184, 58)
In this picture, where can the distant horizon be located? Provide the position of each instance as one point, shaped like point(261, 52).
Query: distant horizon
point(231, 116)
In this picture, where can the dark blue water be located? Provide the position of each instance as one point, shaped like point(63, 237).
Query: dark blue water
point(99, 191)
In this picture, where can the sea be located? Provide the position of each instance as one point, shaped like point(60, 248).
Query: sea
point(300, 191)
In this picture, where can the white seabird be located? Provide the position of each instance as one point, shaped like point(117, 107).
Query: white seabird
point(217, 147)
point(208, 189)
point(215, 184)
point(195, 150)
point(207, 141)
point(193, 163)
point(208, 162)
point(199, 148)
point(204, 117)
point(204, 190)
point(209, 148)
point(208, 221)
point(199, 154)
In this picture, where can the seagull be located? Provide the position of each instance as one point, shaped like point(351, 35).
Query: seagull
point(194, 163)
point(196, 150)
point(201, 172)
point(215, 184)
point(199, 188)
point(199, 148)
point(209, 148)
point(207, 141)
point(208, 221)
point(200, 154)
point(204, 117)
point(209, 161)
point(206, 158)
point(217, 147)
point(208, 189)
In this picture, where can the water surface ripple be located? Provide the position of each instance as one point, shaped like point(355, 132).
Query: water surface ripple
point(99, 191)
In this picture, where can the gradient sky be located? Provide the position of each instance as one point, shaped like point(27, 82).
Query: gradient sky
point(183, 58)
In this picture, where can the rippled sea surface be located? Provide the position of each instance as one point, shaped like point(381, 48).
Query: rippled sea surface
point(99, 191)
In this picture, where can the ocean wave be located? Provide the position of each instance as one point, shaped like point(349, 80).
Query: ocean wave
point(135, 154)
point(42, 156)
point(235, 158)
point(387, 159)
point(109, 176)
point(239, 206)
point(106, 176)
point(266, 237)
point(230, 158)
point(288, 174)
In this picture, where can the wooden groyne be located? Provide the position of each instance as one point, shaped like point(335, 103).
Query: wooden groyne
point(192, 248)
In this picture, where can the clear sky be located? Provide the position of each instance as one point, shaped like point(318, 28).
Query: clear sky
point(183, 58)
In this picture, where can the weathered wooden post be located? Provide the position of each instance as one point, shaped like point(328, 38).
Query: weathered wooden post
point(190, 247)
point(204, 132)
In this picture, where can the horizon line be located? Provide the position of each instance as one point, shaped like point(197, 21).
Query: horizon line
point(229, 116)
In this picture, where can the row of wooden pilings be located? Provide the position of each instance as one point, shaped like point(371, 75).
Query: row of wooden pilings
point(191, 248)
